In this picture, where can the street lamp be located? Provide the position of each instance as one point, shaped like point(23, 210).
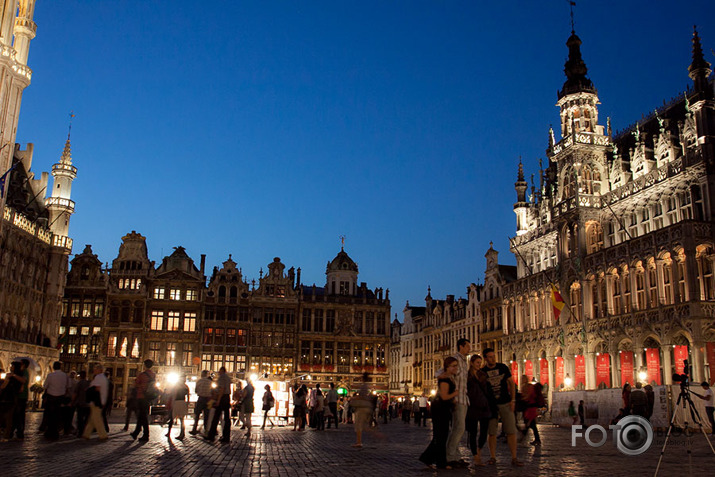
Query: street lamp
point(568, 381)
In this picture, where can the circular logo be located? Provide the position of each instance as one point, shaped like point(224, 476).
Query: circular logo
point(635, 435)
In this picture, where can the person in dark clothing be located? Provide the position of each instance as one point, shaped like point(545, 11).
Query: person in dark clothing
point(639, 401)
point(651, 400)
point(481, 407)
point(436, 452)
point(534, 401)
point(9, 391)
point(80, 402)
point(581, 413)
point(107, 409)
point(18, 420)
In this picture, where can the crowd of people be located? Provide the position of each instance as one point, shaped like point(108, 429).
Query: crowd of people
point(474, 396)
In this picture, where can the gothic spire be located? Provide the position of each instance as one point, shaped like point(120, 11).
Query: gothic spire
point(575, 69)
point(520, 185)
point(699, 69)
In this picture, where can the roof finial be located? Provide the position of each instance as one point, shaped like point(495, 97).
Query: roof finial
point(70, 128)
point(571, 5)
point(699, 69)
point(342, 243)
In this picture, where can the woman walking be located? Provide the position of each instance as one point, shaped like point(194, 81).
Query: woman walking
point(482, 407)
point(299, 407)
point(436, 452)
point(179, 406)
point(319, 411)
point(268, 402)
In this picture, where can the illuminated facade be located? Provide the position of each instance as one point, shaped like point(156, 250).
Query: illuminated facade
point(275, 328)
point(623, 225)
point(429, 334)
point(34, 241)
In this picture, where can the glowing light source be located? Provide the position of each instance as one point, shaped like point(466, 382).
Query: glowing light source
point(37, 379)
point(254, 376)
point(2, 375)
point(642, 375)
point(172, 378)
point(568, 381)
point(433, 392)
point(213, 386)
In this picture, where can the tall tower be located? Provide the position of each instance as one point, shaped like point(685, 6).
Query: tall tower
point(16, 31)
point(521, 206)
point(59, 203)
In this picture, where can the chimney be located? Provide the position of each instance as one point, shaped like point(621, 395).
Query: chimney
point(203, 263)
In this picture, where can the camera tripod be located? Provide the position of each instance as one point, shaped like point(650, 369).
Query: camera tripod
point(687, 403)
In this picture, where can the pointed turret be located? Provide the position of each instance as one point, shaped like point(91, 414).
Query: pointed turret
point(699, 70)
point(578, 98)
point(59, 203)
point(520, 206)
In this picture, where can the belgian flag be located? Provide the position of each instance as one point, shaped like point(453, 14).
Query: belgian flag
point(557, 302)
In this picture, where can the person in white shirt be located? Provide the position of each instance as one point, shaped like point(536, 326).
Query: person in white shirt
point(707, 396)
point(55, 390)
point(97, 395)
point(422, 400)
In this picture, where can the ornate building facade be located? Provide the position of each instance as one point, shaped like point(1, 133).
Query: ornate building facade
point(275, 330)
point(429, 334)
point(623, 225)
point(34, 241)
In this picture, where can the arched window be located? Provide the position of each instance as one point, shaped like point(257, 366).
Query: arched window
point(594, 237)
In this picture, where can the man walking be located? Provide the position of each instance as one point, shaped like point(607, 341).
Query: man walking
point(203, 391)
point(422, 401)
point(55, 390)
point(145, 385)
point(504, 390)
point(332, 400)
point(224, 406)
point(461, 402)
point(99, 396)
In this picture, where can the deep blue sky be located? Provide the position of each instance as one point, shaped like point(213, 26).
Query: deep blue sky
point(269, 129)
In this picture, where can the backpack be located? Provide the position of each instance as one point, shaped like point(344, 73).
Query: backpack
point(151, 392)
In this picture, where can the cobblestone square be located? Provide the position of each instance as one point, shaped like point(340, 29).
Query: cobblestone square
point(392, 450)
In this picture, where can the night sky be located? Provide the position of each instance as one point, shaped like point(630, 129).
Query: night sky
point(266, 129)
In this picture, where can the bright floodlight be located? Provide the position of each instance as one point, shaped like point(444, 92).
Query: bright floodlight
point(172, 378)
point(642, 375)
point(433, 392)
point(568, 381)
point(2, 375)
point(37, 379)
point(254, 377)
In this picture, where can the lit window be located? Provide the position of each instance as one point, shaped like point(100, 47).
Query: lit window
point(172, 323)
point(159, 293)
point(170, 354)
point(157, 320)
point(191, 295)
point(85, 331)
point(135, 349)
point(86, 310)
point(190, 322)
point(123, 349)
point(73, 330)
point(175, 294)
point(83, 348)
point(96, 330)
point(112, 345)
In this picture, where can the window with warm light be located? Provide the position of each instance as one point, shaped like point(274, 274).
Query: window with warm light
point(190, 322)
point(175, 294)
point(157, 320)
point(159, 293)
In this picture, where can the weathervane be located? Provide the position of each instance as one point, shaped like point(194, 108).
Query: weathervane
point(571, 5)
point(342, 242)
point(72, 115)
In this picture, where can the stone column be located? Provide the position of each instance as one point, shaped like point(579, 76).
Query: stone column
point(615, 360)
point(590, 358)
point(667, 350)
point(552, 376)
point(698, 362)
